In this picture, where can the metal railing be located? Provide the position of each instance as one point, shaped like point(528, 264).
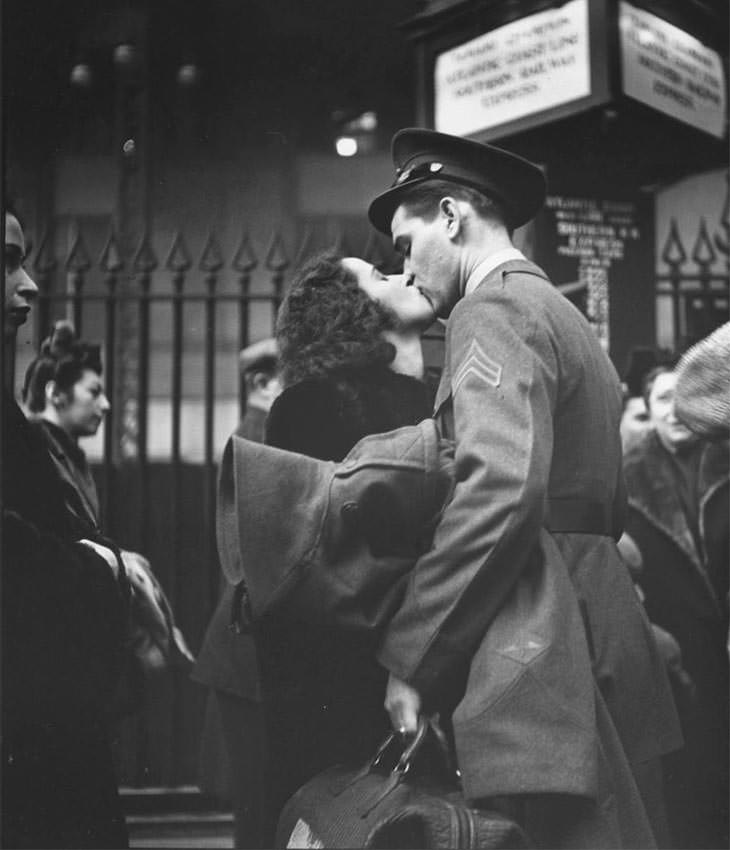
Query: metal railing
point(693, 286)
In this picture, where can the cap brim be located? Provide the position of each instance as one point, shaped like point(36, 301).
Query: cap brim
point(382, 209)
point(517, 184)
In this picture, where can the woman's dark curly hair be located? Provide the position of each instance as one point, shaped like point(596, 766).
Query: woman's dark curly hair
point(327, 324)
point(63, 358)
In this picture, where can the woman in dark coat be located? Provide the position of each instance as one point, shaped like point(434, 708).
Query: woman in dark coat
point(65, 396)
point(64, 602)
point(351, 360)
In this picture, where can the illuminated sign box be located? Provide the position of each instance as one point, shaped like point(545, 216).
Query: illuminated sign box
point(526, 67)
point(555, 63)
point(670, 70)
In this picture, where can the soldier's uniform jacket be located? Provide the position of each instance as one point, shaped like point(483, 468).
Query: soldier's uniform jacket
point(533, 405)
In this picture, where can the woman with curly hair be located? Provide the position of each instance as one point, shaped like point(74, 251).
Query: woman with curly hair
point(349, 342)
point(350, 355)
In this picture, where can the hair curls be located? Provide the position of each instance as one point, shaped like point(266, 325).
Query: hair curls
point(327, 324)
point(63, 358)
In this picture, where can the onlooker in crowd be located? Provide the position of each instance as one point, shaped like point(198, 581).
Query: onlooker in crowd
point(259, 364)
point(533, 405)
point(678, 517)
point(233, 743)
point(634, 418)
point(64, 396)
point(63, 625)
point(702, 395)
point(634, 421)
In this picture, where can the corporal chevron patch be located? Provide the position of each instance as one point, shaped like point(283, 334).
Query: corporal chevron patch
point(478, 363)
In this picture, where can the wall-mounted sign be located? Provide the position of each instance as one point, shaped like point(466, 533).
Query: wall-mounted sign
point(531, 65)
point(670, 70)
point(593, 249)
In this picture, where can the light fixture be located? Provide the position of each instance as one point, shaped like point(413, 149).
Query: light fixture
point(81, 75)
point(366, 122)
point(346, 146)
point(125, 55)
point(188, 74)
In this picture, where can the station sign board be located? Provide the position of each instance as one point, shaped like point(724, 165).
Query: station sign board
point(555, 62)
point(671, 70)
point(525, 67)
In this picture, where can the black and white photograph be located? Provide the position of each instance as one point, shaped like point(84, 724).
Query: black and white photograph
point(365, 424)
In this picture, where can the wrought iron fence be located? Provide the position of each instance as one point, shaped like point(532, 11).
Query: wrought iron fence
point(693, 293)
point(158, 495)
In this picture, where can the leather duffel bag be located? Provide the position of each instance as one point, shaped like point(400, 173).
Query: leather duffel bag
point(416, 803)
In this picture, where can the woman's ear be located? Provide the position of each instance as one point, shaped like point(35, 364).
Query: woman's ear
point(54, 396)
point(452, 214)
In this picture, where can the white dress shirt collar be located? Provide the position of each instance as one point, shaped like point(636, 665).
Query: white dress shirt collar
point(504, 255)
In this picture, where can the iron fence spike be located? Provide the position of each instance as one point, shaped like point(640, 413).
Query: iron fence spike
point(339, 243)
point(244, 260)
point(211, 259)
point(276, 257)
point(78, 257)
point(673, 252)
point(305, 247)
point(111, 258)
point(145, 260)
point(45, 261)
point(178, 259)
point(703, 253)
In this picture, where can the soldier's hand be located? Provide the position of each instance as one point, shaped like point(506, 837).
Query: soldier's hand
point(403, 704)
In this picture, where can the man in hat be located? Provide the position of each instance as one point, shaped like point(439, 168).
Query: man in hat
point(232, 751)
point(259, 366)
point(533, 405)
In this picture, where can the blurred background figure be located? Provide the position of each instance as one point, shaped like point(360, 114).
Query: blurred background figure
point(233, 746)
point(64, 396)
point(678, 518)
point(634, 421)
point(260, 369)
point(635, 417)
point(703, 385)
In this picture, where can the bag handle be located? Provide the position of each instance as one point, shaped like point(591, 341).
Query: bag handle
point(405, 762)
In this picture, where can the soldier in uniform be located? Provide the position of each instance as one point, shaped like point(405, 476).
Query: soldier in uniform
point(533, 405)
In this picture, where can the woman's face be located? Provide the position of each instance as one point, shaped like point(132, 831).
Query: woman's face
point(393, 292)
point(81, 413)
point(670, 430)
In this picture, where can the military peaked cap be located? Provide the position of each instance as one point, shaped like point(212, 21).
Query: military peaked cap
point(261, 355)
point(420, 155)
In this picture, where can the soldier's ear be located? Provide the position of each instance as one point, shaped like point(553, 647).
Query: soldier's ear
point(449, 209)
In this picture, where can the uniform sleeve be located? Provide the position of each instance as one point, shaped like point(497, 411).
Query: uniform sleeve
point(503, 374)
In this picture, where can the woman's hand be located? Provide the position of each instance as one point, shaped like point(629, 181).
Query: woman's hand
point(403, 704)
point(104, 553)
